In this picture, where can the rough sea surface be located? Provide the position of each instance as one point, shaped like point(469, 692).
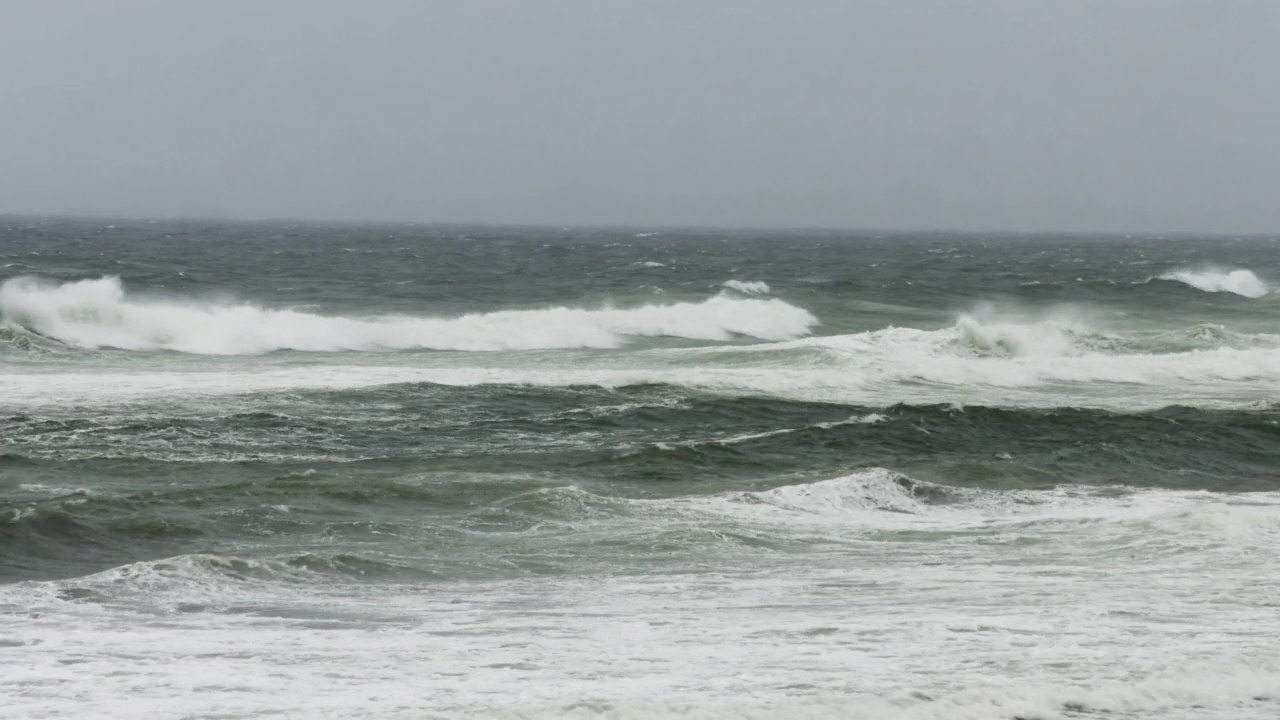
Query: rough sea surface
point(260, 470)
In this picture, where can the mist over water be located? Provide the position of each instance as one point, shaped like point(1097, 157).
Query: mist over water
point(455, 471)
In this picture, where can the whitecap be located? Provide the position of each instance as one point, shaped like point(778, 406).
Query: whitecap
point(1240, 282)
point(748, 287)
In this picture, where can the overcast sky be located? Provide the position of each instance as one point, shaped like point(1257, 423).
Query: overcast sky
point(1020, 114)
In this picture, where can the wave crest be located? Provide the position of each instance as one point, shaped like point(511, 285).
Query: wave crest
point(1239, 282)
point(748, 287)
point(874, 489)
point(1046, 338)
point(99, 313)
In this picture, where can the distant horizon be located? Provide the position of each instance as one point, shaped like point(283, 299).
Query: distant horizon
point(5, 216)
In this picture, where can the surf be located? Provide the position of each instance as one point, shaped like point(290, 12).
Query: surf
point(100, 313)
point(1237, 282)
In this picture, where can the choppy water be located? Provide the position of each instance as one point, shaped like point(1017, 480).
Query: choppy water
point(419, 471)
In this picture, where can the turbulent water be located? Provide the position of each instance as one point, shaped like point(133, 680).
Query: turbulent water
point(250, 470)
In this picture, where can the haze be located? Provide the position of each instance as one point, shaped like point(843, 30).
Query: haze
point(1157, 115)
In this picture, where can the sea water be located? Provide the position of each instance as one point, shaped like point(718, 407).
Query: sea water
point(415, 471)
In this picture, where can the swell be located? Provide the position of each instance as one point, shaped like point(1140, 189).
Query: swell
point(505, 528)
point(70, 536)
point(1182, 448)
point(70, 532)
point(645, 438)
point(16, 338)
point(487, 426)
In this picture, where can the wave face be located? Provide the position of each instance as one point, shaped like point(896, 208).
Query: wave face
point(99, 313)
point(1238, 282)
point(603, 473)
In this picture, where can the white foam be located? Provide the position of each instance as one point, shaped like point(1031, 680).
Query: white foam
point(1235, 691)
point(99, 313)
point(1040, 358)
point(1239, 282)
point(749, 287)
point(1147, 605)
point(53, 490)
point(985, 358)
point(1052, 338)
point(984, 332)
point(872, 369)
point(880, 499)
point(876, 489)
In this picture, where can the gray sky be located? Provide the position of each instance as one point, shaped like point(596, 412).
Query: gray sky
point(1018, 114)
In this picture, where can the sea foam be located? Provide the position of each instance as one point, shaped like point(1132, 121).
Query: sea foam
point(100, 313)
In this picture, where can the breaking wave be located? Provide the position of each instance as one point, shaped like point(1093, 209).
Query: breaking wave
point(750, 287)
point(1044, 338)
point(981, 334)
point(1239, 282)
point(876, 369)
point(874, 489)
point(100, 313)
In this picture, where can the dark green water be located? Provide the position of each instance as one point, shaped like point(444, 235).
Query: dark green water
point(218, 419)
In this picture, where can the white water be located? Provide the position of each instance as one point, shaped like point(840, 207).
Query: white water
point(99, 313)
point(845, 594)
point(1063, 357)
point(1240, 282)
point(1073, 603)
point(875, 369)
point(750, 287)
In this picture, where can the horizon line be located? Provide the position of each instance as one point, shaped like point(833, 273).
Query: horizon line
point(630, 226)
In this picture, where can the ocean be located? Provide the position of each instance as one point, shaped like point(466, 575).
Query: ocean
point(254, 470)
